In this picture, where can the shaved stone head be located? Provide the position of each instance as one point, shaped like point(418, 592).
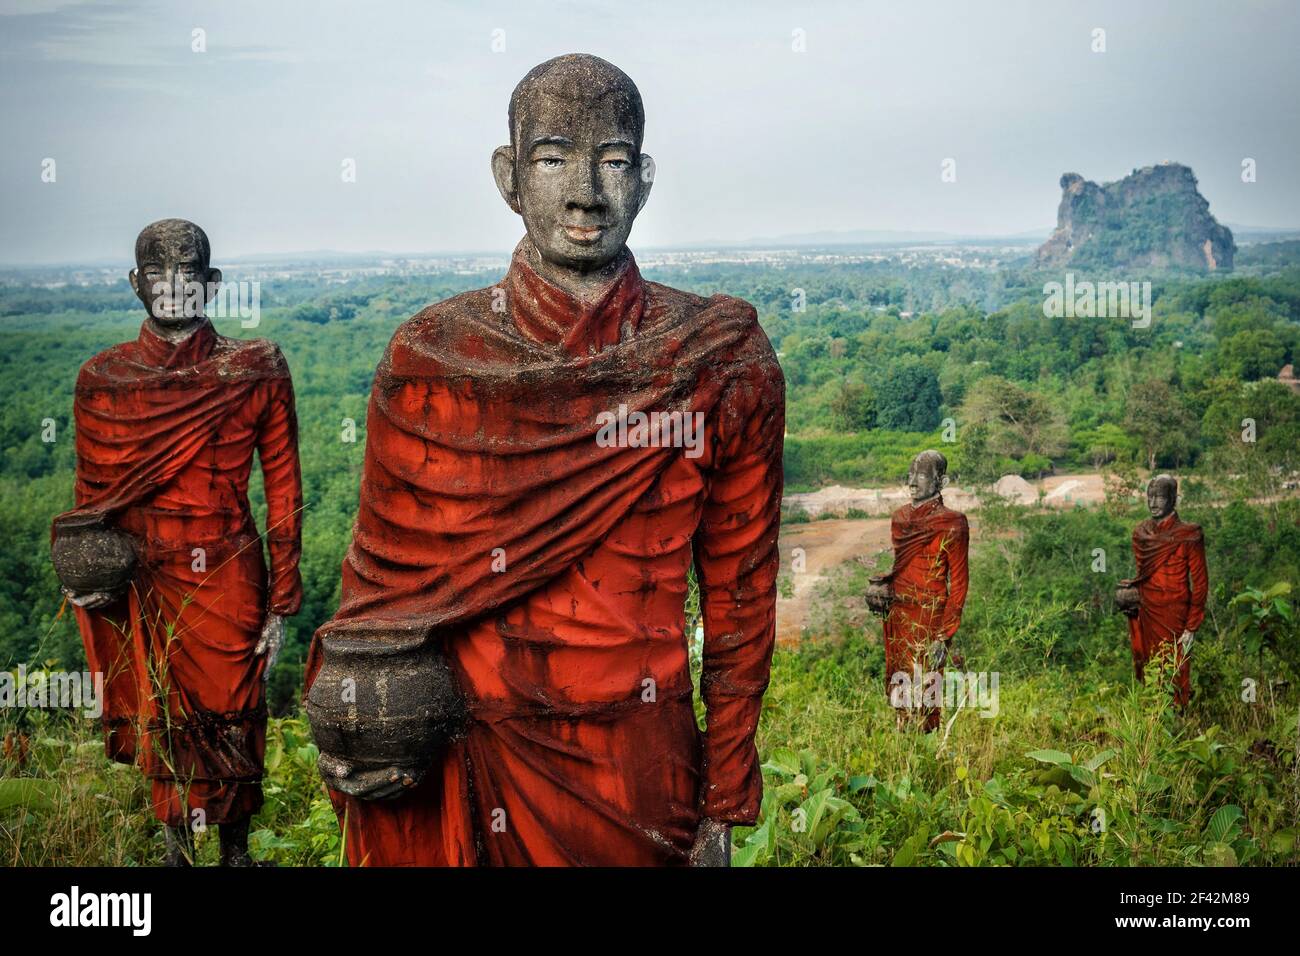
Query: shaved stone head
point(932, 459)
point(170, 233)
point(1162, 495)
point(574, 170)
point(173, 275)
point(927, 475)
point(577, 79)
point(1168, 482)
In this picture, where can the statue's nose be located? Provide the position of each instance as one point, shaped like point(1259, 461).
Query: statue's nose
point(585, 186)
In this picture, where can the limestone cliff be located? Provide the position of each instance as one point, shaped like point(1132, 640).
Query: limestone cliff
point(1153, 218)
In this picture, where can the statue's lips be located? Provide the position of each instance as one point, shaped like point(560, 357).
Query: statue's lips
point(584, 233)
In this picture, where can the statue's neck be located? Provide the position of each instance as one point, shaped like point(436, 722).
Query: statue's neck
point(581, 285)
point(174, 334)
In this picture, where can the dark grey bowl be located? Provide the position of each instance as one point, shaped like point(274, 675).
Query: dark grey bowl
point(384, 696)
point(94, 559)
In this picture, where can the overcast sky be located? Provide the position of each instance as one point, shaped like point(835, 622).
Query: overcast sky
point(751, 138)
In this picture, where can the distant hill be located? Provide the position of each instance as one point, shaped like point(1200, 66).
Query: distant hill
point(1152, 218)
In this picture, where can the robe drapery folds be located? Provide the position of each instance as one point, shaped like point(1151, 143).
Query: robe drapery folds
point(165, 440)
point(1172, 587)
point(929, 580)
point(551, 565)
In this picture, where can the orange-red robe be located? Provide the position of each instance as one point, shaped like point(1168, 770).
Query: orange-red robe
point(1172, 587)
point(929, 579)
point(582, 745)
point(165, 440)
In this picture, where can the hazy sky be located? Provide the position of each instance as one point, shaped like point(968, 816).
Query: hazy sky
point(750, 137)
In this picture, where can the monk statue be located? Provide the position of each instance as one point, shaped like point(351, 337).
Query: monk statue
point(161, 557)
point(1165, 602)
point(506, 680)
point(921, 598)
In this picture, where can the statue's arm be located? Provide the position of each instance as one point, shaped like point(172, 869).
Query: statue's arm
point(737, 562)
point(277, 448)
point(81, 494)
point(1200, 582)
point(958, 579)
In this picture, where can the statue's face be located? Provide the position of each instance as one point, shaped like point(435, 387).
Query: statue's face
point(578, 177)
point(1160, 499)
point(172, 278)
point(924, 480)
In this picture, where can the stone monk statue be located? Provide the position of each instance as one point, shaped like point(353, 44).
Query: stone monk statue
point(161, 557)
point(1165, 602)
point(922, 596)
point(545, 460)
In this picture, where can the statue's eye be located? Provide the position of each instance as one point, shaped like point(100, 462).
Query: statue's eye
point(551, 162)
point(617, 163)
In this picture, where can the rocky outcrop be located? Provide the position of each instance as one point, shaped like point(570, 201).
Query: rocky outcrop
point(1153, 218)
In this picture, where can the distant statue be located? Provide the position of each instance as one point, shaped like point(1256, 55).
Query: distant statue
point(161, 557)
point(545, 459)
point(1165, 602)
point(921, 598)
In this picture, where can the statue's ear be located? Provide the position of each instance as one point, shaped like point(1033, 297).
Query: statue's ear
point(943, 481)
point(503, 171)
point(212, 283)
point(133, 277)
point(647, 179)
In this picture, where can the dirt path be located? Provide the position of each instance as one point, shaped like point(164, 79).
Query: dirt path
point(832, 541)
point(825, 544)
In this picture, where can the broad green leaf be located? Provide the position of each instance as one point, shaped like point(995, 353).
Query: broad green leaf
point(1099, 759)
point(27, 792)
point(1049, 756)
point(1223, 824)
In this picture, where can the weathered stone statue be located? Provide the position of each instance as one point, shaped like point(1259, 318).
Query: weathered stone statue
point(544, 461)
point(1165, 602)
point(161, 557)
point(922, 596)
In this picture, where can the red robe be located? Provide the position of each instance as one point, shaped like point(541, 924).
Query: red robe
point(165, 442)
point(929, 580)
point(582, 745)
point(1172, 587)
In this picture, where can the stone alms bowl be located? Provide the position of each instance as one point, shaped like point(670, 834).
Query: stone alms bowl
point(1127, 599)
point(879, 597)
point(94, 559)
point(384, 696)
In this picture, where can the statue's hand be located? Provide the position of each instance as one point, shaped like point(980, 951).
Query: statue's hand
point(937, 654)
point(90, 600)
point(381, 784)
point(1185, 641)
point(270, 643)
point(712, 845)
point(879, 596)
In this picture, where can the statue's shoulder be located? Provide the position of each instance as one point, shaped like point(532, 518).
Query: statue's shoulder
point(240, 358)
point(957, 518)
point(664, 299)
point(437, 329)
point(434, 319)
point(121, 352)
point(753, 349)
